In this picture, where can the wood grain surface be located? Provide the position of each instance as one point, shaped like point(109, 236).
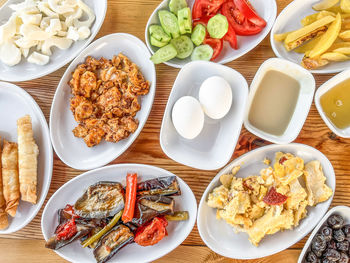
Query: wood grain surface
point(130, 16)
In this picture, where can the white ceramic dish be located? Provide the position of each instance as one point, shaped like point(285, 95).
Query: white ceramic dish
point(288, 20)
point(72, 150)
point(307, 89)
point(344, 211)
point(266, 9)
point(72, 190)
point(27, 71)
point(214, 146)
point(345, 133)
point(14, 104)
point(220, 236)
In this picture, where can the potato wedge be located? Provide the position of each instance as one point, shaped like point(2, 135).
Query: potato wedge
point(345, 6)
point(308, 46)
point(324, 4)
point(345, 35)
point(335, 9)
point(300, 41)
point(307, 20)
point(313, 63)
point(341, 44)
point(334, 56)
point(342, 50)
point(327, 38)
point(282, 36)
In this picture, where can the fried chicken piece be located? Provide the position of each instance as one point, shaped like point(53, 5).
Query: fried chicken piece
point(81, 108)
point(94, 137)
point(109, 99)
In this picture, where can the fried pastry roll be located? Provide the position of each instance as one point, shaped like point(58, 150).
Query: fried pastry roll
point(3, 215)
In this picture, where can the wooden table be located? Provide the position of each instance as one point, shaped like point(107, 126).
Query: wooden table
point(130, 16)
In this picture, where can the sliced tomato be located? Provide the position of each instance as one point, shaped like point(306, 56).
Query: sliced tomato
point(66, 230)
point(238, 21)
point(231, 37)
point(248, 11)
point(202, 8)
point(151, 233)
point(216, 45)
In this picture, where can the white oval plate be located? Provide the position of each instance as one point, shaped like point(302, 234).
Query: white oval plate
point(214, 146)
point(266, 9)
point(14, 104)
point(72, 190)
point(72, 150)
point(288, 20)
point(27, 71)
point(220, 236)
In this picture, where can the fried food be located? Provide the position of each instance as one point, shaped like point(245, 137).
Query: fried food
point(106, 98)
point(3, 215)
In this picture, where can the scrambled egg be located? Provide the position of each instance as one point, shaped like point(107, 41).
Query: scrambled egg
point(240, 201)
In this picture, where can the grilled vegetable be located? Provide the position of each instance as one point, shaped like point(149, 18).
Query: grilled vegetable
point(130, 197)
point(100, 200)
point(151, 233)
point(159, 186)
point(178, 216)
point(112, 242)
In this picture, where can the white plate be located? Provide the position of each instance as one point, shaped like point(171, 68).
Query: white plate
point(288, 20)
point(27, 71)
point(344, 211)
point(14, 104)
point(72, 150)
point(72, 190)
point(266, 9)
point(220, 236)
point(328, 85)
point(214, 146)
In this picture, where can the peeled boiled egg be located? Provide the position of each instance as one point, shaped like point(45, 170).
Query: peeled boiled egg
point(188, 117)
point(215, 96)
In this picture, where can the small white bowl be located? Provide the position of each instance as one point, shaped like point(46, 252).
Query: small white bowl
point(214, 146)
point(267, 9)
point(307, 89)
point(328, 85)
point(344, 211)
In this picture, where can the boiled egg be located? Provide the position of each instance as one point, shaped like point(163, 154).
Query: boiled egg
point(188, 117)
point(215, 96)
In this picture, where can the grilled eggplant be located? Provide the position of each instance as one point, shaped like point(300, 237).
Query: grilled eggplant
point(150, 206)
point(112, 242)
point(100, 200)
point(159, 186)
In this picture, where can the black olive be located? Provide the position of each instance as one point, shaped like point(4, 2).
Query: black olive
point(346, 230)
point(344, 258)
point(343, 246)
point(332, 255)
point(335, 221)
point(327, 232)
point(325, 260)
point(339, 235)
point(311, 257)
point(332, 244)
point(318, 245)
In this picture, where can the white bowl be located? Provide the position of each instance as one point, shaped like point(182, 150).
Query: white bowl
point(73, 189)
point(288, 20)
point(14, 104)
point(214, 146)
point(344, 211)
point(220, 236)
point(72, 150)
point(328, 85)
point(26, 71)
point(266, 9)
point(307, 89)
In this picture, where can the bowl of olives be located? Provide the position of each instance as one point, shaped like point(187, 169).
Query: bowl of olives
point(330, 240)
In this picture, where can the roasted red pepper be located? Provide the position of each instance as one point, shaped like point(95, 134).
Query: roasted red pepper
point(152, 232)
point(66, 230)
point(130, 197)
point(274, 198)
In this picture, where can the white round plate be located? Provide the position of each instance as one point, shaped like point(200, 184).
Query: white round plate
point(266, 9)
point(288, 20)
point(220, 236)
point(14, 104)
point(72, 150)
point(27, 71)
point(72, 190)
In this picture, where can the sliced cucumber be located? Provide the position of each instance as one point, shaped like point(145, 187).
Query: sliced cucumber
point(176, 5)
point(184, 18)
point(169, 23)
point(198, 34)
point(157, 43)
point(157, 32)
point(164, 54)
point(202, 52)
point(183, 45)
point(217, 26)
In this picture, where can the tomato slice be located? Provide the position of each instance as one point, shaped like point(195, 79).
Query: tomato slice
point(202, 8)
point(238, 21)
point(66, 230)
point(216, 45)
point(231, 37)
point(248, 11)
point(152, 232)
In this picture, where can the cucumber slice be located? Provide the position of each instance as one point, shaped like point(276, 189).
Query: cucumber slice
point(217, 26)
point(183, 46)
point(176, 5)
point(198, 34)
point(202, 52)
point(157, 32)
point(164, 54)
point(157, 43)
point(169, 23)
point(184, 18)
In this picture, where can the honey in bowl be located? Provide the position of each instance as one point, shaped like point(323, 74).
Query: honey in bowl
point(336, 104)
point(274, 102)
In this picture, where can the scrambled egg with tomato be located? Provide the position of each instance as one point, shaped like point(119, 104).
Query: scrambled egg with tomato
point(274, 201)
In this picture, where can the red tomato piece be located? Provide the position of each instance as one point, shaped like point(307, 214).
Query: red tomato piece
point(130, 197)
point(203, 8)
point(203, 20)
point(248, 11)
point(216, 45)
point(66, 230)
point(69, 209)
point(231, 37)
point(274, 198)
point(152, 232)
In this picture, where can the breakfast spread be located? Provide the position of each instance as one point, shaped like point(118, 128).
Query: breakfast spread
point(274, 201)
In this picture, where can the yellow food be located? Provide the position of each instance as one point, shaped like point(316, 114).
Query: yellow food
point(306, 48)
point(345, 6)
point(325, 4)
point(240, 201)
point(334, 56)
point(313, 63)
point(282, 36)
point(345, 35)
point(3, 215)
point(300, 41)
